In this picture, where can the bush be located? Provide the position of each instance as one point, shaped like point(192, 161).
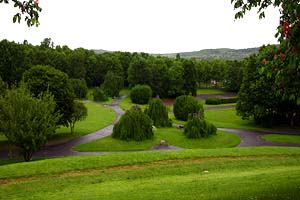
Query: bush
point(113, 84)
point(141, 94)
point(217, 101)
point(80, 88)
point(99, 94)
point(157, 111)
point(133, 125)
point(213, 101)
point(197, 127)
point(185, 105)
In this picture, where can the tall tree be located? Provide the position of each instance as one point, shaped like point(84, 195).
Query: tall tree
point(27, 121)
point(44, 78)
point(189, 77)
point(113, 84)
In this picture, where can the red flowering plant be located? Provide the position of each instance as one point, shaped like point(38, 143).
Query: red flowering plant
point(29, 9)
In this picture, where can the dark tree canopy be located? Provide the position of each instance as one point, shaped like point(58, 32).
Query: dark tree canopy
point(157, 111)
point(44, 78)
point(185, 105)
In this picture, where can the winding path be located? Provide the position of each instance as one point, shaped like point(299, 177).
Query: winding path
point(248, 138)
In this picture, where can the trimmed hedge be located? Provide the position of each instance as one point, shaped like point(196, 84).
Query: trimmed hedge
point(157, 111)
point(185, 105)
point(133, 125)
point(141, 94)
point(217, 101)
point(197, 127)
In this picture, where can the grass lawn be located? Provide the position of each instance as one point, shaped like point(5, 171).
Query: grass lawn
point(245, 173)
point(227, 118)
point(126, 104)
point(98, 117)
point(210, 91)
point(172, 135)
point(282, 138)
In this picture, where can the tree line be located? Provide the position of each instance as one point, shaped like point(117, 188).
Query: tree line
point(168, 77)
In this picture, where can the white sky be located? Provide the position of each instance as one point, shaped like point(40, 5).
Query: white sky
point(152, 26)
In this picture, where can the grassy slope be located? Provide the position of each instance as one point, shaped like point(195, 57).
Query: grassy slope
point(282, 138)
point(171, 135)
point(246, 173)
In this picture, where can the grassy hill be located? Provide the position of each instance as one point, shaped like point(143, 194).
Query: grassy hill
point(223, 53)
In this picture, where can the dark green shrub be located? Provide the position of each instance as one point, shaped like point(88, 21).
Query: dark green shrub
point(197, 127)
point(228, 100)
point(141, 94)
point(133, 125)
point(185, 105)
point(157, 111)
point(113, 84)
point(80, 88)
point(99, 94)
point(213, 101)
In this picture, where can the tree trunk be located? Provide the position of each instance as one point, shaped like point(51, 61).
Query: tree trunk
point(28, 155)
point(72, 128)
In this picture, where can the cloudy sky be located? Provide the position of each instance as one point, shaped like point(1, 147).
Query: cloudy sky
point(152, 26)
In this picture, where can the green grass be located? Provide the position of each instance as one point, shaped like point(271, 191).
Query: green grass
point(210, 91)
point(282, 138)
point(227, 118)
point(126, 104)
point(245, 173)
point(98, 117)
point(172, 135)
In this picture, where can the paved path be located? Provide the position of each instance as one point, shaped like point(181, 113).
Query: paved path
point(254, 137)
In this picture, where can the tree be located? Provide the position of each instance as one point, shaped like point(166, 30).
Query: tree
point(197, 127)
point(27, 121)
point(189, 77)
point(30, 9)
point(3, 87)
point(133, 125)
point(113, 84)
point(44, 78)
point(79, 114)
point(175, 80)
point(157, 111)
point(233, 76)
point(80, 88)
point(99, 94)
point(140, 94)
point(185, 105)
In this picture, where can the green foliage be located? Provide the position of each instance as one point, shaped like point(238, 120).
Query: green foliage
point(27, 121)
point(113, 84)
point(133, 125)
point(216, 101)
point(157, 111)
point(213, 101)
point(189, 77)
point(80, 88)
point(185, 105)
point(99, 94)
point(140, 94)
point(233, 76)
point(3, 87)
point(30, 9)
point(44, 78)
point(196, 127)
point(79, 114)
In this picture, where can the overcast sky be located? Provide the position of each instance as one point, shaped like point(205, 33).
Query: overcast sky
point(152, 26)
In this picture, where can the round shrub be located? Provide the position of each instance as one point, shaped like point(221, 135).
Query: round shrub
point(185, 105)
point(197, 127)
point(213, 101)
point(99, 94)
point(157, 111)
point(133, 125)
point(140, 94)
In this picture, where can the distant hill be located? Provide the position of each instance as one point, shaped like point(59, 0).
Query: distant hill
point(209, 54)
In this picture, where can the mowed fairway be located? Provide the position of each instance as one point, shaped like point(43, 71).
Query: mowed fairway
point(246, 173)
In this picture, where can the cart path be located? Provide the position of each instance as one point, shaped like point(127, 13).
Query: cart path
point(250, 138)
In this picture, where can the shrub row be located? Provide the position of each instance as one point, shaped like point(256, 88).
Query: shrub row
point(217, 101)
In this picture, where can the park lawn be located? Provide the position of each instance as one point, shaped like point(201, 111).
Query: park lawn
point(295, 139)
point(98, 117)
point(245, 173)
point(126, 104)
point(210, 91)
point(173, 136)
point(227, 118)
